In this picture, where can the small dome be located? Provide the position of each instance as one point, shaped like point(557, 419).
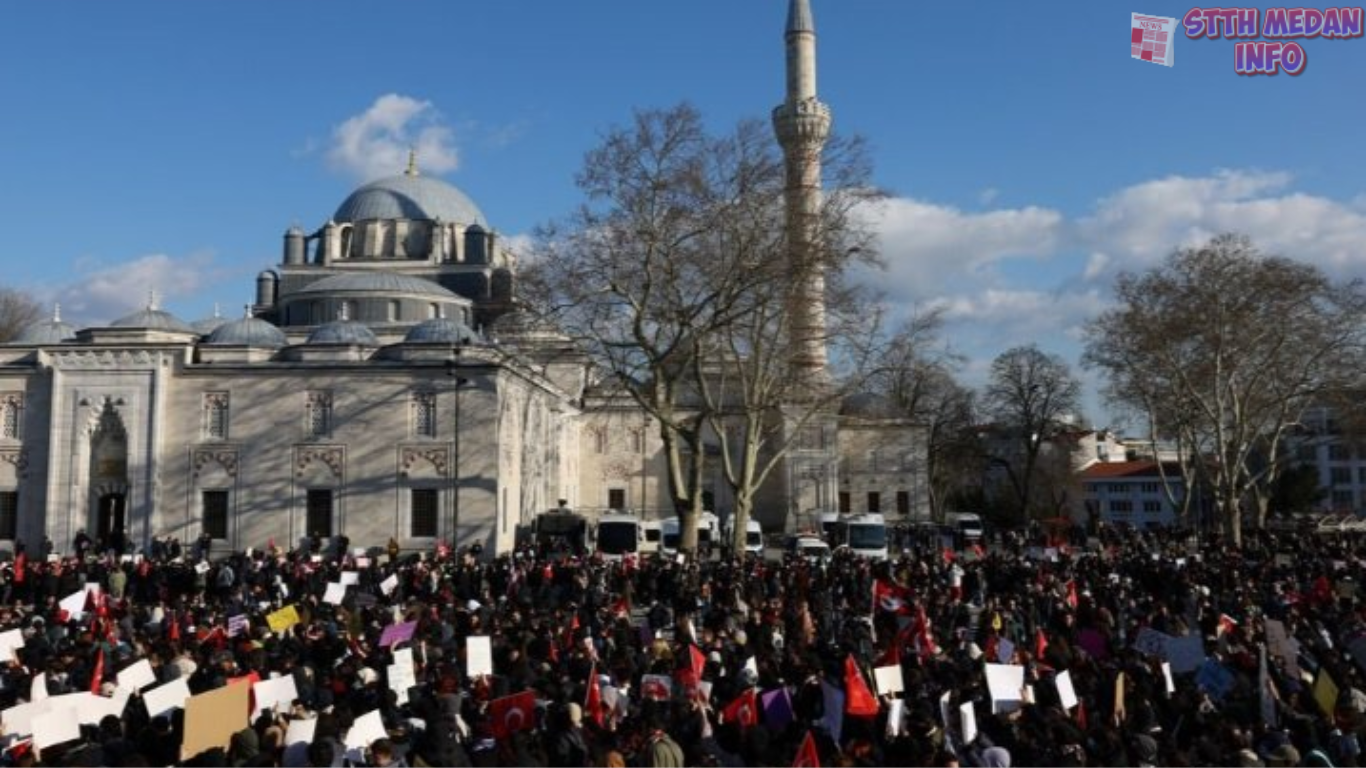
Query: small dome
point(376, 282)
point(869, 405)
point(152, 320)
point(343, 332)
point(46, 332)
point(442, 330)
point(409, 196)
point(247, 332)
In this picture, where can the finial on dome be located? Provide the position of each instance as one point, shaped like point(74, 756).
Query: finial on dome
point(342, 313)
point(216, 314)
point(56, 312)
point(412, 162)
point(152, 299)
point(246, 311)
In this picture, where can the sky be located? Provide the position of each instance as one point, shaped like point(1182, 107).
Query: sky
point(151, 144)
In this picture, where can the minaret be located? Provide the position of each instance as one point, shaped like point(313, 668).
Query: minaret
point(802, 124)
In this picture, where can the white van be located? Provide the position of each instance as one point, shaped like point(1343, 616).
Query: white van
point(618, 535)
point(754, 538)
point(708, 531)
point(650, 544)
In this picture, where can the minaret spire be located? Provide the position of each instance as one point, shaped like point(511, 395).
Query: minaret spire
point(802, 125)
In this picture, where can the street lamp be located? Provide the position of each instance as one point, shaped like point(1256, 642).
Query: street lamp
point(452, 372)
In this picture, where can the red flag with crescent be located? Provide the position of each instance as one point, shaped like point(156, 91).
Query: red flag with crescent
point(807, 754)
point(512, 713)
point(592, 704)
point(744, 710)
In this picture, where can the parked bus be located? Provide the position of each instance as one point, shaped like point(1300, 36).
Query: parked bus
point(864, 535)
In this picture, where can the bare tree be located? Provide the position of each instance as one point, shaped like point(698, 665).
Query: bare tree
point(1029, 396)
point(917, 374)
point(1225, 348)
point(672, 277)
point(18, 310)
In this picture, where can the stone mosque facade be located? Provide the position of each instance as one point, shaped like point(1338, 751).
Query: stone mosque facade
point(385, 384)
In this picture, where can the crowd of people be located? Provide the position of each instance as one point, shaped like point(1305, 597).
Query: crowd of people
point(728, 662)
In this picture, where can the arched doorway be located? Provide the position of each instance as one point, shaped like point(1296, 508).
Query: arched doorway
point(108, 516)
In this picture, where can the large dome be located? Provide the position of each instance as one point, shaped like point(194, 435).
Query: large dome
point(410, 197)
point(51, 331)
point(387, 283)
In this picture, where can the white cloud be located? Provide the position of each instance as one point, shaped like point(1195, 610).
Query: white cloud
point(988, 195)
point(376, 142)
point(1032, 274)
point(103, 292)
point(928, 247)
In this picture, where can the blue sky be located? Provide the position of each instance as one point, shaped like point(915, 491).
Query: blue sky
point(170, 144)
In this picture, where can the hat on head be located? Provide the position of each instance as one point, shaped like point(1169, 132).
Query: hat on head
point(368, 676)
point(575, 714)
point(472, 605)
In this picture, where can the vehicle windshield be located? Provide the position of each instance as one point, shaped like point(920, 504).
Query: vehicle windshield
point(670, 541)
point(867, 536)
point(616, 538)
point(754, 538)
point(652, 534)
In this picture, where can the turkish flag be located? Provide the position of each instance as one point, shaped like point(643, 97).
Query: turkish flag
point(1072, 599)
point(744, 710)
point(807, 754)
point(592, 703)
point(859, 700)
point(98, 676)
point(20, 567)
point(1040, 643)
point(512, 713)
point(890, 596)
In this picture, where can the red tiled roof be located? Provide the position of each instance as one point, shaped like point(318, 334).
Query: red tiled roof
point(1104, 469)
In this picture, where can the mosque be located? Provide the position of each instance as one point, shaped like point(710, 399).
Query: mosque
point(386, 383)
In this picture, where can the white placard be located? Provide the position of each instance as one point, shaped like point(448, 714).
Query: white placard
point(301, 731)
point(10, 642)
point(52, 728)
point(401, 678)
point(478, 655)
point(165, 698)
point(968, 721)
point(335, 594)
point(297, 738)
point(201, 567)
point(1066, 693)
point(367, 729)
point(1167, 673)
point(889, 680)
point(389, 584)
point(74, 605)
point(944, 708)
point(350, 578)
point(1006, 684)
point(37, 690)
point(404, 658)
point(137, 676)
point(276, 693)
point(18, 720)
